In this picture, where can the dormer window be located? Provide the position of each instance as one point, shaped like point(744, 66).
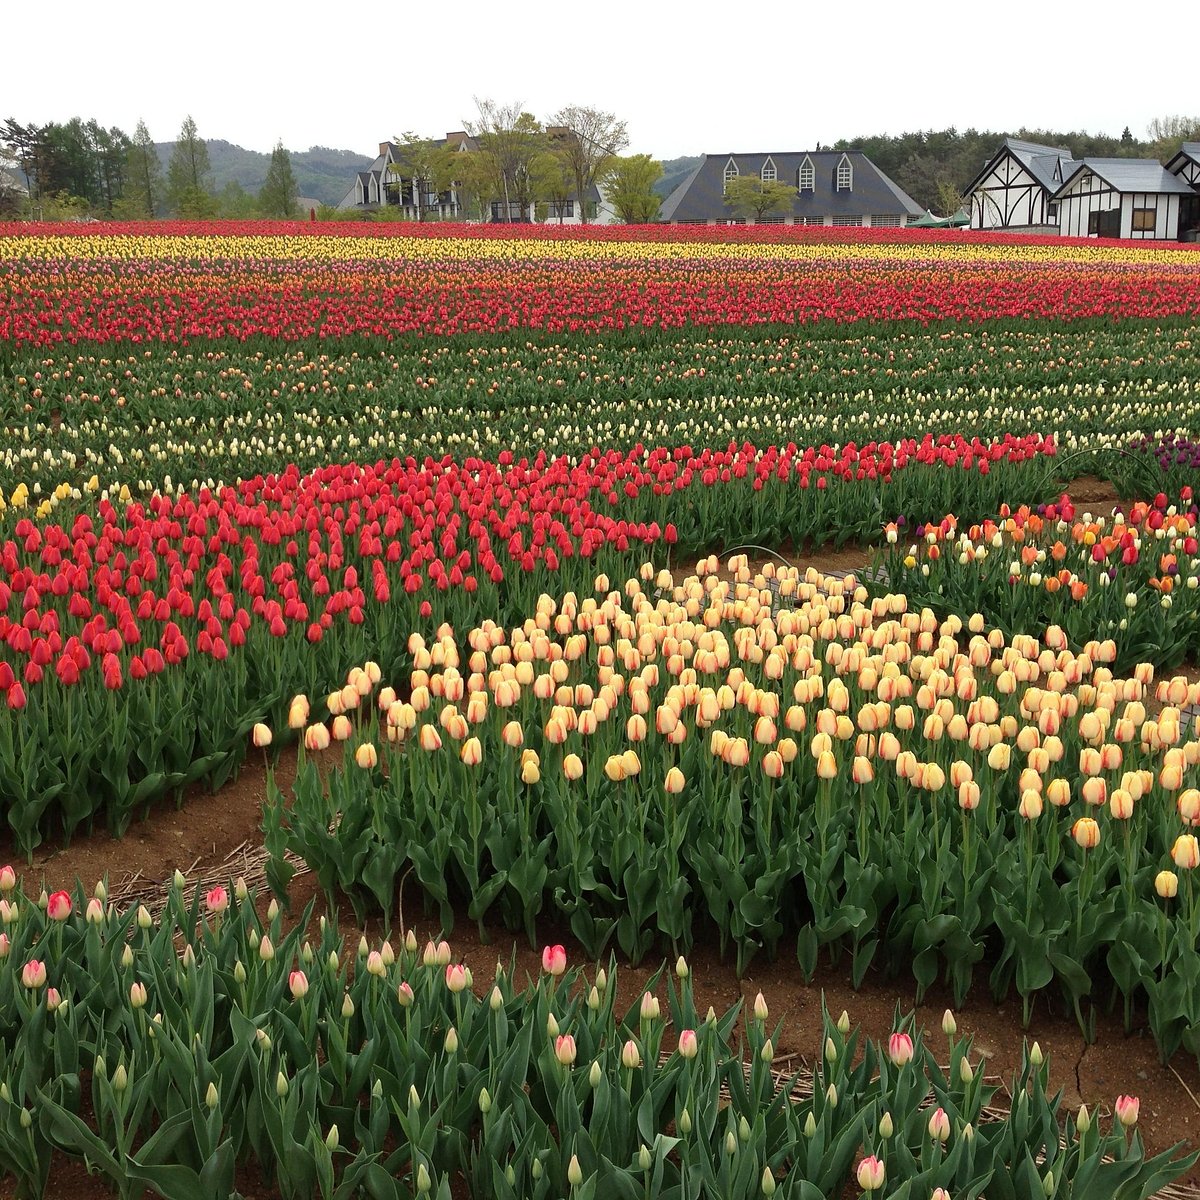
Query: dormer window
point(845, 175)
point(806, 180)
point(769, 174)
point(731, 173)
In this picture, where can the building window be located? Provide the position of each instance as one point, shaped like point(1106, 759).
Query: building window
point(886, 221)
point(731, 173)
point(1143, 220)
point(1052, 212)
point(807, 177)
point(769, 174)
point(557, 210)
point(813, 220)
point(845, 175)
point(510, 212)
point(735, 220)
point(772, 219)
point(847, 221)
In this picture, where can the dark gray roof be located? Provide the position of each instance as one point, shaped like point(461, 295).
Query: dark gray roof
point(701, 196)
point(1130, 175)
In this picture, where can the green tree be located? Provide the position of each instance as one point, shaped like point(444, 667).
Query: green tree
point(234, 203)
point(597, 138)
point(750, 195)
point(279, 194)
point(1167, 134)
point(629, 185)
point(143, 192)
point(508, 140)
point(188, 175)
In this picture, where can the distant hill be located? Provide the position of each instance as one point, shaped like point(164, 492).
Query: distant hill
point(675, 171)
point(321, 173)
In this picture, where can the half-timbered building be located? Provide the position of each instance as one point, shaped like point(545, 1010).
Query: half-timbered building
point(1121, 198)
point(1186, 166)
point(1015, 190)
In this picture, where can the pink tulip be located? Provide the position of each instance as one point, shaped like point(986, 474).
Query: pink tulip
point(404, 994)
point(33, 973)
point(554, 960)
point(8, 878)
point(5, 945)
point(900, 1049)
point(689, 1047)
point(564, 1049)
point(58, 907)
point(871, 1174)
point(1127, 1109)
point(456, 977)
point(217, 900)
point(939, 1125)
point(298, 983)
point(53, 999)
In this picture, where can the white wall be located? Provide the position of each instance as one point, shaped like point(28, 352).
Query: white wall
point(1015, 198)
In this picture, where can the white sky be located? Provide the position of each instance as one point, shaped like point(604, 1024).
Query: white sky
point(688, 78)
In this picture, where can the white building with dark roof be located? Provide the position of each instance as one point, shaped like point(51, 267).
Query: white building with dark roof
point(1029, 188)
point(833, 187)
point(1015, 190)
point(1185, 165)
point(1121, 198)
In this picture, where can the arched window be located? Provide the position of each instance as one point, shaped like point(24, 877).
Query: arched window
point(845, 175)
point(731, 173)
point(807, 176)
point(768, 173)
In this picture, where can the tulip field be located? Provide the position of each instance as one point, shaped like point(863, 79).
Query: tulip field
point(485, 521)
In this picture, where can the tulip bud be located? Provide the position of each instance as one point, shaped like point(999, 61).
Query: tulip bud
point(760, 1007)
point(1035, 1055)
point(768, 1182)
point(451, 1043)
point(767, 1053)
point(144, 920)
point(966, 1072)
point(551, 1026)
point(843, 1023)
point(810, 1125)
point(644, 1157)
point(485, 1101)
point(211, 1097)
point(631, 1056)
point(1127, 1109)
point(1083, 1122)
point(949, 1024)
point(137, 995)
point(886, 1127)
point(331, 1138)
point(595, 1075)
point(496, 1000)
point(681, 968)
point(404, 995)
point(127, 956)
point(574, 1171)
point(347, 1007)
point(281, 1085)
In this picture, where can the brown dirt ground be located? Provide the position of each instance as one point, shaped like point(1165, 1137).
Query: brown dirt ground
point(208, 828)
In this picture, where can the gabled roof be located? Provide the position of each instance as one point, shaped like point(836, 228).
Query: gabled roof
point(701, 196)
point(1130, 175)
point(1040, 161)
point(1189, 150)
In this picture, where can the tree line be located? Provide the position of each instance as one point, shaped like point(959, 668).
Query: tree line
point(78, 169)
point(516, 164)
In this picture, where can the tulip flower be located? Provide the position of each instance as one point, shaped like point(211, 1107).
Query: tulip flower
point(261, 735)
point(939, 1126)
point(33, 973)
point(1127, 1109)
point(689, 1046)
point(58, 907)
point(564, 1049)
point(871, 1174)
point(1185, 853)
point(298, 985)
point(8, 878)
point(216, 900)
point(456, 977)
point(554, 960)
point(900, 1049)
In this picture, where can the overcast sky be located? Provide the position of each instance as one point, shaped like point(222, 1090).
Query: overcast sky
point(688, 78)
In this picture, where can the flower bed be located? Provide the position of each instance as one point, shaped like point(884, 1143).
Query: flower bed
point(171, 1054)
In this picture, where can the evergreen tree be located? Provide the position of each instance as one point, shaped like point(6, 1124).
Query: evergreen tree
point(279, 192)
point(188, 175)
point(143, 176)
